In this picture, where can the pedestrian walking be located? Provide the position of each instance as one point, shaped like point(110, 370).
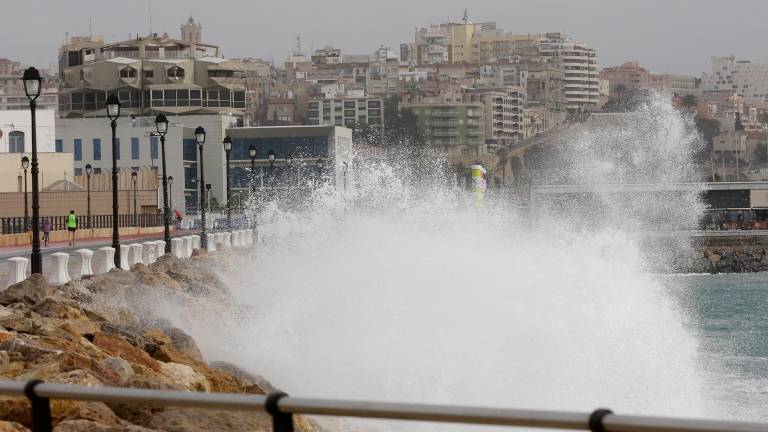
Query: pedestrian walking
point(46, 231)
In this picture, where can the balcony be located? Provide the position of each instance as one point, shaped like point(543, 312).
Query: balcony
point(444, 114)
point(473, 123)
point(445, 123)
point(445, 133)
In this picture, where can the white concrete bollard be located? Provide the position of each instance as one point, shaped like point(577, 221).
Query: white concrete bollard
point(104, 260)
point(177, 247)
point(227, 240)
point(248, 238)
point(17, 270)
point(59, 274)
point(195, 242)
point(135, 255)
point(149, 253)
point(235, 239)
point(160, 248)
point(187, 248)
point(85, 255)
point(125, 250)
point(220, 240)
point(210, 242)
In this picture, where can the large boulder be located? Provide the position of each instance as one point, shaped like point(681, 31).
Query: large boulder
point(92, 426)
point(29, 291)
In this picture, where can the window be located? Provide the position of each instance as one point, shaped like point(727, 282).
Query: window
point(149, 73)
point(97, 149)
point(189, 150)
point(78, 171)
point(175, 72)
point(16, 142)
point(134, 148)
point(78, 149)
point(153, 147)
point(59, 146)
point(117, 148)
point(97, 170)
point(238, 99)
point(128, 72)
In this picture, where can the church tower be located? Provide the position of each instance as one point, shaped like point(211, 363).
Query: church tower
point(191, 31)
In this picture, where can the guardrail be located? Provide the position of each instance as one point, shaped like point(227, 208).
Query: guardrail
point(282, 408)
point(16, 225)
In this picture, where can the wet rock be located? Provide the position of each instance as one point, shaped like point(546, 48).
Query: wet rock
point(118, 346)
point(29, 291)
point(220, 381)
point(91, 426)
point(12, 427)
point(255, 384)
point(185, 376)
point(196, 420)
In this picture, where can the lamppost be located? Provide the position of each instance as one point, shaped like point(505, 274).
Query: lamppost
point(88, 171)
point(319, 167)
point(32, 84)
point(134, 176)
point(200, 139)
point(113, 112)
point(161, 124)
point(227, 151)
point(252, 153)
point(24, 166)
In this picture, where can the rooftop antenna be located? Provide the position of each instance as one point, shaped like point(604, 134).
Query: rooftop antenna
point(465, 18)
point(149, 8)
point(90, 27)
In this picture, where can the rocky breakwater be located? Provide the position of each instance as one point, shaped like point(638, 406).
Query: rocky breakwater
point(90, 333)
point(723, 259)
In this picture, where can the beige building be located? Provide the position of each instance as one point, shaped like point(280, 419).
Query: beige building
point(149, 74)
point(579, 64)
point(53, 167)
point(627, 77)
point(503, 114)
point(12, 96)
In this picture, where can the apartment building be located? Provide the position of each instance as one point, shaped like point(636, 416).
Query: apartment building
point(545, 85)
point(457, 127)
point(12, 96)
point(16, 130)
point(345, 111)
point(327, 55)
point(149, 74)
point(494, 45)
point(627, 77)
point(579, 63)
point(675, 84)
point(742, 77)
point(503, 110)
point(446, 43)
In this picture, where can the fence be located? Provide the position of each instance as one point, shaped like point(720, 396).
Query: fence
point(15, 225)
point(282, 408)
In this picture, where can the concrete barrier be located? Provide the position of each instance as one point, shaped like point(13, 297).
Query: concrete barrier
point(149, 253)
point(210, 242)
point(248, 238)
point(234, 239)
point(177, 247)
point(195, 242)
point(159, 248)
point(220, 241)
point(125, 250)
point(85, 256)
point(134, 257)
point(59, 274)
point(187, 248)
point(228, 240)
point(17, 270)
point(104, 260)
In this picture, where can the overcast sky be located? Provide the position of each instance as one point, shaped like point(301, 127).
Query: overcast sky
point(675, 36)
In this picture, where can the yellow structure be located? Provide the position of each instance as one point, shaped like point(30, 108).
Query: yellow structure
point(53, 167)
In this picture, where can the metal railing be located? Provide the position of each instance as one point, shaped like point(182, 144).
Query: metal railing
point(282, 408)
point(16, 225)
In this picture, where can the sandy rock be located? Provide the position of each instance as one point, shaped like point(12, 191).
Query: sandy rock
point(131, 333)
point(220, 381)
point(196, 420)
point(122, 369)
point(12, 427)
point(118, 346)
point(255, 384)
point(6, 312)
point(53, 309)
point(24, 347)
point(29, 291)
point(184, 343)
point(185, 376)
point(91, 426)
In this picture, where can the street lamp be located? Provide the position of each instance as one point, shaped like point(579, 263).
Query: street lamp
point(32, 84)
point(134, 176)
point(208, 196)
point(88, 172)
point(227, 151)
point(271, 157)
point(113, 112)
point(161, 124)
point(200, 139)
point(24, 166)
point(320, 166)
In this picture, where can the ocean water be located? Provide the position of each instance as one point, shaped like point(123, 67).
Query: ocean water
point(728, 314)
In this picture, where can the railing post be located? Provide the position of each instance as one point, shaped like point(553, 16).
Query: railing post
point(281, 422)
point(41, 408)
point(596, 419)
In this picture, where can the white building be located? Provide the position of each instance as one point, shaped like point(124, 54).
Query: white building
point(580, 66)
point(346, 111)
point(90, 140)
point(742, 77)
point(16, 131)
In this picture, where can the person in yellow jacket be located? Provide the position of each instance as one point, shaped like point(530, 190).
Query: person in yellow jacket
point(71, 226)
